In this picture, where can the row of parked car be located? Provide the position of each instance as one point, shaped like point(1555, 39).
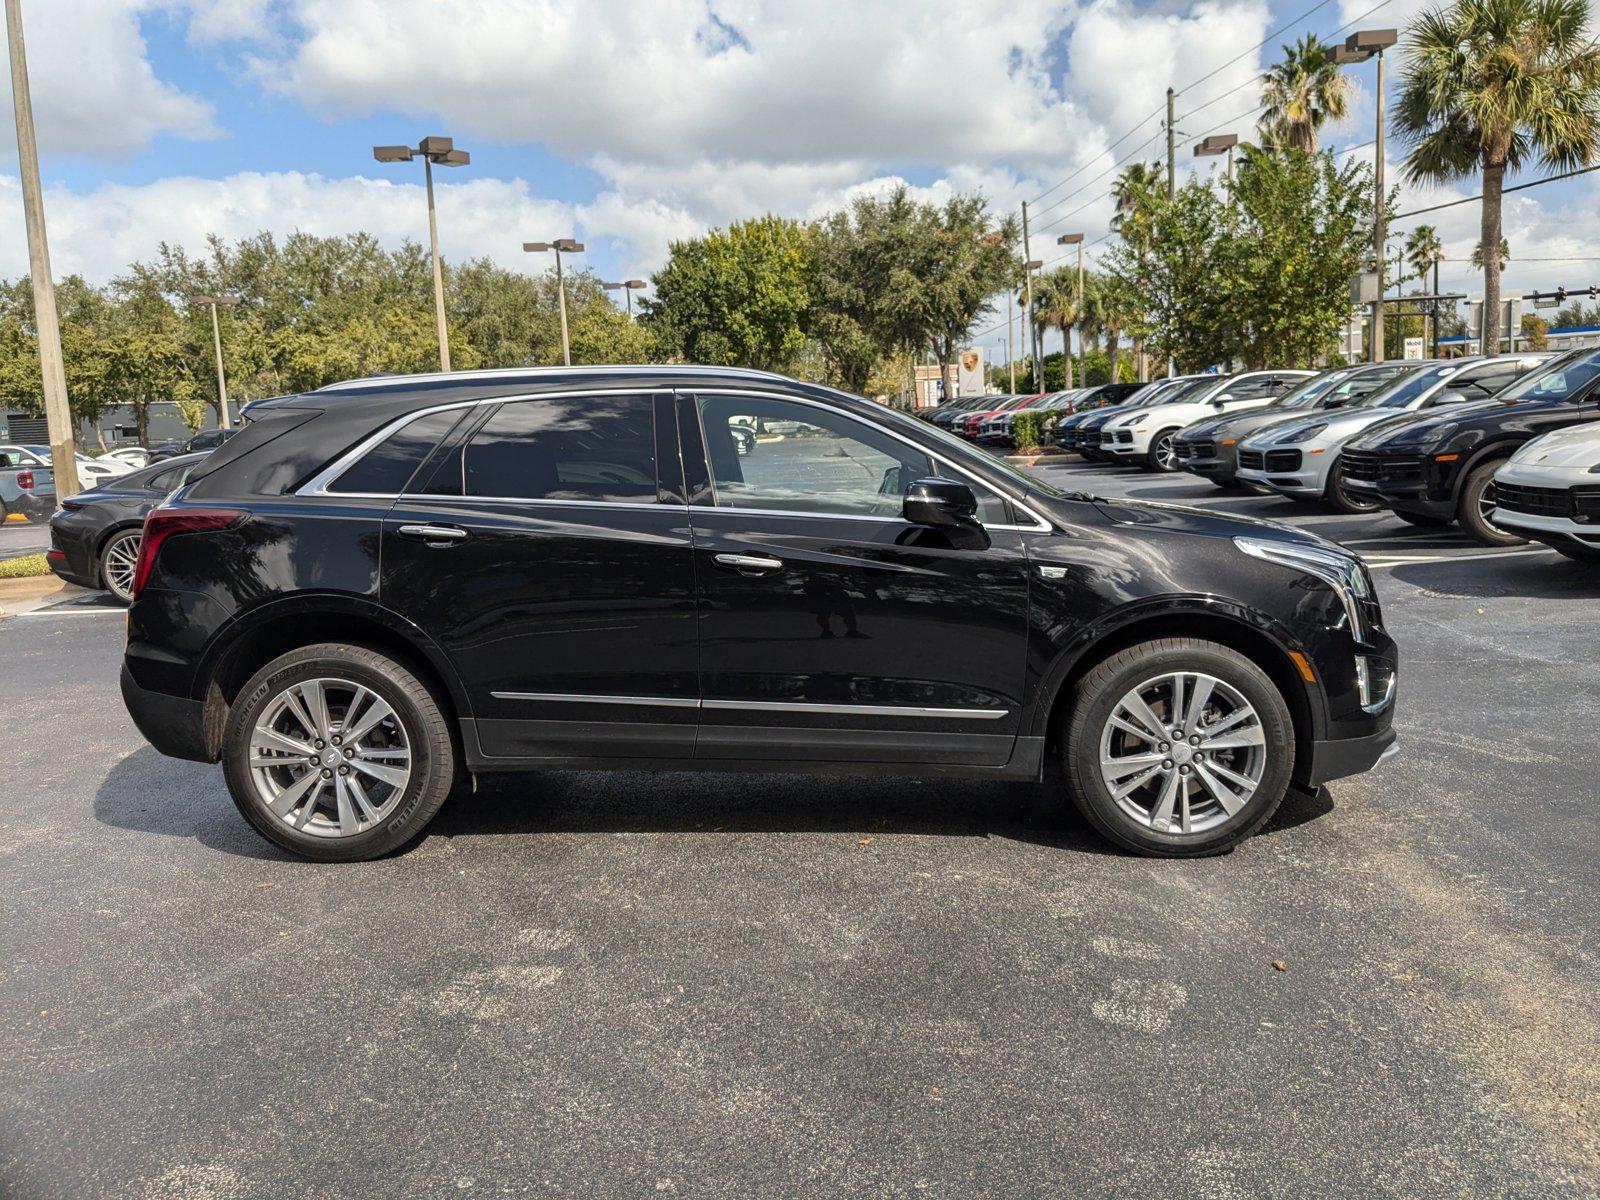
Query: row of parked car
point(1508, 447)
point(27, 473)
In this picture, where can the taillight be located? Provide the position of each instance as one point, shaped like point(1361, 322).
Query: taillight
point(25, 480)
point(163, 523)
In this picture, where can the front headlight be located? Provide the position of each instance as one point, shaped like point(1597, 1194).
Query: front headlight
point(1300, 433)
point(1344, 573)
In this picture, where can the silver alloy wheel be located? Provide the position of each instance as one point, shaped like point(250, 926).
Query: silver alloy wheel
point(1487, 505)
point(1167, 453)
point(1183, 752)
point(329, 757)
point(119, 562)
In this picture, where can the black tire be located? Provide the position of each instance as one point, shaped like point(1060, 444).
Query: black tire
point(1576, 551)
point(434, 764)
point(1099, 692)
point(1477, 496)
point(1160, 456)
point(113, 575)
point(1422, 520)
point(1335, 495)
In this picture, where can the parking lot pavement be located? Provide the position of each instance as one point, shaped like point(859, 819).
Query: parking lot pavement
point(719, 986)
point(23, 537)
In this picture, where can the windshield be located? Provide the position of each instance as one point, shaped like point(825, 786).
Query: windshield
point(1162, 390)
point(1558, 380)
point(1195, 389)
point(1311, 390)
point(1407, 388)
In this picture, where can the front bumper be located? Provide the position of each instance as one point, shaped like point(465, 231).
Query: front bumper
point(1338, 758)
point(1549, 530)
point(1307, 484)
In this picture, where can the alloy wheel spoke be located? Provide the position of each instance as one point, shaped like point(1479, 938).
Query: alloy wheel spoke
point(358, 793)
point(376, 711)
point(1124, 790)
point(1236, 717)
point(1232, 776)
point(1161, 813)
point(1134, 704)
point(346, 805)
point(1198, 699)
point(395, 777)
point(1251, 735)
point(1230, 800)
point(1114, 770)
point(1128, 727)
point(292, 701)
point(316, 702)
point(311, 800)
point(1175, 709)
point(395, 753)
point(270, 739)
point(284, 802)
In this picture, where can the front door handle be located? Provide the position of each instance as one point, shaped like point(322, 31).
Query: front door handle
point(748, 564)
point(432, 533)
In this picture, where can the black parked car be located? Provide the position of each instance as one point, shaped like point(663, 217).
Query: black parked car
point(1433, 468)
point(376, 589)
point(94, 535)
point(1087, 434)
point(1210, 448)
point(204, 441)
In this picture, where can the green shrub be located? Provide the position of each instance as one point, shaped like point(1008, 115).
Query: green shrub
point(1031, 430)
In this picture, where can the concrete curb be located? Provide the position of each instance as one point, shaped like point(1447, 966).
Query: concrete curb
point(18, 596)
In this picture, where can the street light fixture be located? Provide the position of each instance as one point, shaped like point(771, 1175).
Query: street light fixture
point(216, 341)
point(560, 246)
point(628, 286)
point(441, 151)
point(1357, 48)
point(1076, 239)
point(1218, 143)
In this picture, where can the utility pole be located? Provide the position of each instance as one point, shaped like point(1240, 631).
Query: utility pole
point(1172, 145)
point(1028, 264)
point(58, 414)
point(216, 341)
point(1011, 354)
point(1377, 225)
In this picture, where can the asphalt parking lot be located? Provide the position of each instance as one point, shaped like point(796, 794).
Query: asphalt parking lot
point(702, 985)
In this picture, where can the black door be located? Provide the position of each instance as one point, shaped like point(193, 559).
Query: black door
point(552, 561)
point(830, 629)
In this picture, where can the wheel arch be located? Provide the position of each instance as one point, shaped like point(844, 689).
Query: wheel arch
point(105, 538)
point(1238, 628)
point(1500, 449)
point(243, 647)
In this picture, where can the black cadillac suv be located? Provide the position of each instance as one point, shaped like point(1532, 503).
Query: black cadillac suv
point(1436, 467)
point(379, 589)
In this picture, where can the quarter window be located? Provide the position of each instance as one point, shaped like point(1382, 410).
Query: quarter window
point(595, 448)
point(387, 467)
point(787, 457)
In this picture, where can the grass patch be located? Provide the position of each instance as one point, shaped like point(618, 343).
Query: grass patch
point(29, 566)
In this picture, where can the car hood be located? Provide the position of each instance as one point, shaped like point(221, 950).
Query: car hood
point(1178, 518)
point(1242, 425)
point(1424, 429)
point(1577, 446)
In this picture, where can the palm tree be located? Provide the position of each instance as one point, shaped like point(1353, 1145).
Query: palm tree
point(1055, 302)
point(1505, 255)
point(1424, 251)
point(1137, 183)
point(1300, 93)
point(1494, 84)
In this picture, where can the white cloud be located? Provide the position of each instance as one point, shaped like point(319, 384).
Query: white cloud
point(94, 89)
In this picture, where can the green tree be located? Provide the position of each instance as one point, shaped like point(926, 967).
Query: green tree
point(1492, 85)
point(1299, 94)
point(1055, 302)
point(1504, 255)
point(736, 297)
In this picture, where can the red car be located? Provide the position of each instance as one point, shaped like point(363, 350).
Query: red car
point(967, 426)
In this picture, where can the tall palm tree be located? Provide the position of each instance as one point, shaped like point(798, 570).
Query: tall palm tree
point(1055, 302)
point(1137, 183)
point(1424, 251)
point(1300, 93)
point(1495, 84)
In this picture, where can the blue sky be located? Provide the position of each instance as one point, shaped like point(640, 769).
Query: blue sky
point(629, 125)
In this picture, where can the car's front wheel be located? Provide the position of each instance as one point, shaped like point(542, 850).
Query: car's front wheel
point(1337, 496)
point(119, 559)
point(338, 753)
point(1475, 508)
point(1178, 747)
point(1163, 454)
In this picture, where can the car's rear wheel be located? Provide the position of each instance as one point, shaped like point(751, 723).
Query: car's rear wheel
point(338, 753)
point(1336, 495)
point(1163, 454)
point(119, 558)
point(1178, 747)
point(1476, 506)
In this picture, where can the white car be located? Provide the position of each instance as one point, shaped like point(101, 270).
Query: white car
point(1549, 490)
point(1300, 459)
point(90, 470)
point(1145, 435)
point(134, 456)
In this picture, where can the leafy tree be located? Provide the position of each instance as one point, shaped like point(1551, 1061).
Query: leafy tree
point(1492, 85)
point(1300, 93)
point(737, 297)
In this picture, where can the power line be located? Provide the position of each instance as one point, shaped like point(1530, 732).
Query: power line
point(1135, 129)
point(1279, 32)
point(1521, 187)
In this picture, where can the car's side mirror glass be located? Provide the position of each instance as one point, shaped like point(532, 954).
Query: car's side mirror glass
point(1444, 398)
point(1335, 402)
point(947, 505)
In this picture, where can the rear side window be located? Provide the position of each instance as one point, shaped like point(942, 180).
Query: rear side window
point(595, 448)
point(387, 467)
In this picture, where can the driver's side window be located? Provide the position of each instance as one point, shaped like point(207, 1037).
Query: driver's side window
point(787, 457)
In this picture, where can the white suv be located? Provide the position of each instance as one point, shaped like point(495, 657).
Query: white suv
point(1550, 490)
point(1146, 434)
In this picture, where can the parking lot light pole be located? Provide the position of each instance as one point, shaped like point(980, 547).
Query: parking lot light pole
point(431, 150)
point(1036, 368)
point(1358, 47)
point(46, 327)
point(628, 286)
point(216, 342)
point(1218, 143)
point(1076, 239)
point(560, 245)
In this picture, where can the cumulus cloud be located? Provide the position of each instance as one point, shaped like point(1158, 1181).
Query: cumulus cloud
point(94, 90)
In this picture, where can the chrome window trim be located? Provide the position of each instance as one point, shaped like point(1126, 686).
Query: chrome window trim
point(792, 706)
point(319, 483)
point(1043, 526)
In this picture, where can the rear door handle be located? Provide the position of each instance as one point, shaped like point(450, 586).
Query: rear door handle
point(748, 564)
point(432, 533)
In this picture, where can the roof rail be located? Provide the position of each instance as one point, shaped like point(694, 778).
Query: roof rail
point(491, 374)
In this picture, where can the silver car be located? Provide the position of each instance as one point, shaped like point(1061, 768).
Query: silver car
point(1300, 459)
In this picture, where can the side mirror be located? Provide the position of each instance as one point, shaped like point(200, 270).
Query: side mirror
point(1335, 402)
point(939, 503)
point(1444, 398)
point(1222, 399)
